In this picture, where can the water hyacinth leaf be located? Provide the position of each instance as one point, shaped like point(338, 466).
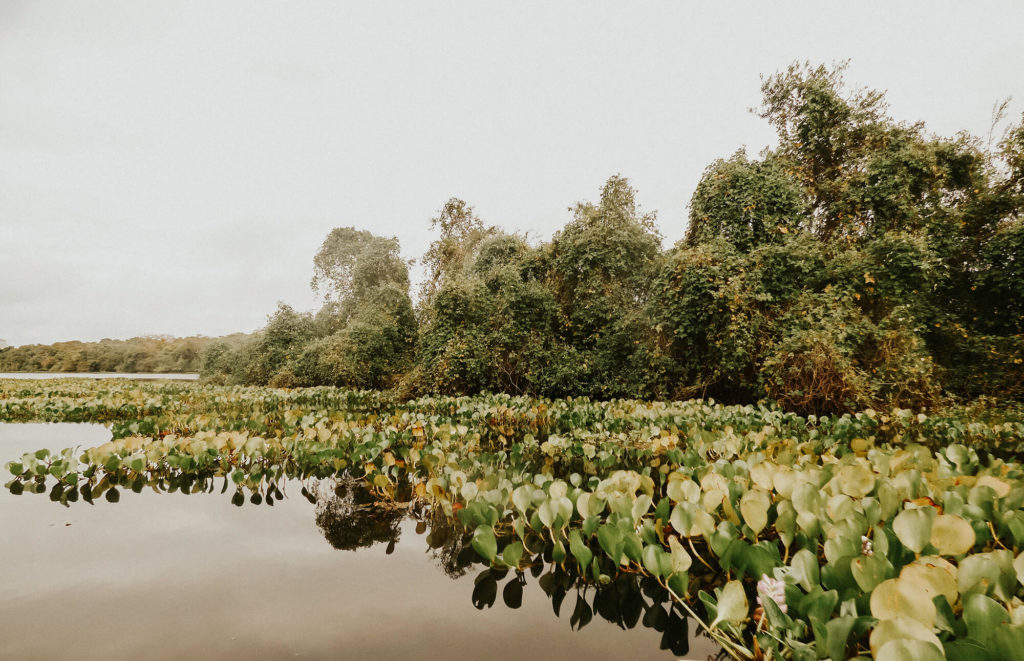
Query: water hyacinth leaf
point(641, 506)
point(679, 583)
point(913, 527)
point(1007, 642)
point(548, 512)
point(632, 547)
point(896, 597)
point(754, 506)
point(580, 551)
point(982, 615)
point(907, 649)
point(837, 633)
point(952, 535)
point(976, 573)
point(999, 486)
point(558, 551)
point(856, 480)
point(804, 569)
point(484, 542)
point(681, 560)
point(512, 554)
point(870, 570)
point(933, 575)
point(1018, 565)
point(522, 498)
point(900, 628)
point(610, 539)
point(732, 604)
point(656, 561)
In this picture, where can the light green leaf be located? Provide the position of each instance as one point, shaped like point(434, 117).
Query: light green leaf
point(913, 527)
point(732, 604)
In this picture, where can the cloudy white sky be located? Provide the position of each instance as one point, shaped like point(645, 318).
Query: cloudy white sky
point(171, 167)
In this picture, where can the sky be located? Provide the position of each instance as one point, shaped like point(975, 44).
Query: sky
point(172, 167)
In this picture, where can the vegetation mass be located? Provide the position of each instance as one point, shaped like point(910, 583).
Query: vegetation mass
point(861, 262)
point(896, 534)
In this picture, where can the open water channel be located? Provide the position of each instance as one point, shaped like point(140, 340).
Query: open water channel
point(169, 576)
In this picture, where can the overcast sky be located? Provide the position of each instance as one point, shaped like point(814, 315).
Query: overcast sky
point(171, 167)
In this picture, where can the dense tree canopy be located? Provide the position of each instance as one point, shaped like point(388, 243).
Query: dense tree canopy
point(861, 262)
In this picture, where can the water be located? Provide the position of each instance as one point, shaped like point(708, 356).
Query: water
point(135, 376)
point(167, 576)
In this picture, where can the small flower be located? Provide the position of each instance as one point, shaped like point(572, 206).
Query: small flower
point(774, 589)
point(866, 547)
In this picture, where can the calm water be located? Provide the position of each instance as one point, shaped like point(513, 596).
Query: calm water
point(136, 376)
point(168, 576)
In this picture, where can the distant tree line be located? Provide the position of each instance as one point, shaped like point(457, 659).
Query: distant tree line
point(151, 354)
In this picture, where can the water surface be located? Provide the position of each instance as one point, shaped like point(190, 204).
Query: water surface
point(169, 576)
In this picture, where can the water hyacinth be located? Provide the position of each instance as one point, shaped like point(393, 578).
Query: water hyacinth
point(867, 518)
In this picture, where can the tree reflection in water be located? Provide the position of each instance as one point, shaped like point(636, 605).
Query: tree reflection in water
point(351, 517)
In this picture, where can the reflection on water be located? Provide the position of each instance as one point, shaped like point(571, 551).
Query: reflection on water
point(162, 576)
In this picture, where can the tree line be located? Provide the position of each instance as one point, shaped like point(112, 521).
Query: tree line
point(861, 262)
point(150, 354)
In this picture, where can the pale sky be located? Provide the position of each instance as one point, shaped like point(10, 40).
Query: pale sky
point(172, 167)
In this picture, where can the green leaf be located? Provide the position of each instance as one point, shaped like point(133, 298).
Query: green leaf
point(900, 628)
point(913, 527)
point(982, 615)
point(804, 568)
point(484, 542)
point(838, 631)
point(610, 539)
point(512, 554)
point(732, 604)
point(580, 551)
point(869, 571)
point(898, 597)
point(657, 561)
point(905, 649)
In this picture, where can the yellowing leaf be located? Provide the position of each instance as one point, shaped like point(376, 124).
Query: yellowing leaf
point(952, 535)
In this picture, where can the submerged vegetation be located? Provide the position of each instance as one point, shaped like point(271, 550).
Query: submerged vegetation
point(894, 533)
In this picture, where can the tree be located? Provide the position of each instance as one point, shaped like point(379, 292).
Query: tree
point(600, 267)
point(352, 263)
point(745, 202)
point(461, 231)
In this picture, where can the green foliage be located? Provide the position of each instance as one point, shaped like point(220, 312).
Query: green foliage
point(599, 267)
point(151, 354)
point(887, 533)
point(861, 262)
point(352, 264)
point(747, 203)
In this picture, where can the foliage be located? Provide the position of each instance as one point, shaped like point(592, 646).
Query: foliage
point(745, 202)
point(863, 261)
point(352, 264)
point(854, 534)
point(150, 354)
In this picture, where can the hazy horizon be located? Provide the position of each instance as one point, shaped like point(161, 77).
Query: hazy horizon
point(171, 168)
